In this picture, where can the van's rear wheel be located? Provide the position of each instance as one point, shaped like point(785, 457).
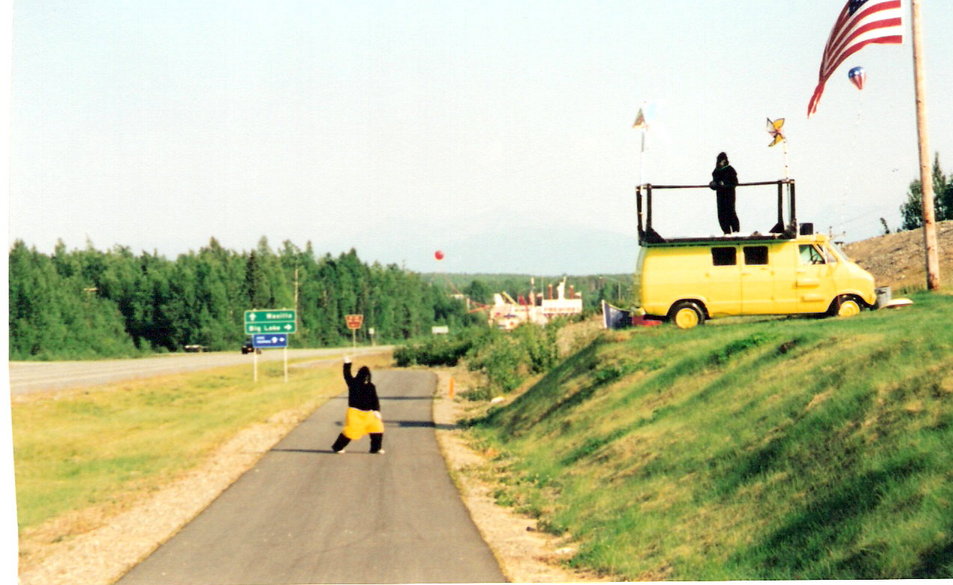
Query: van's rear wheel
point(686, 314)
point(845, 306)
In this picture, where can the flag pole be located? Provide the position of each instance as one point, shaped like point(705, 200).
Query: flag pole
point(787, 173)
point(642, 158)
point(926, 178)
point(640, 123)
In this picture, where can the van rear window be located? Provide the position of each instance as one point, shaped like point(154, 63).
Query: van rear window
point(755, 255)
point(724, 256)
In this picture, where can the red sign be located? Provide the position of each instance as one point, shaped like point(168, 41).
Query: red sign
point(354, 321)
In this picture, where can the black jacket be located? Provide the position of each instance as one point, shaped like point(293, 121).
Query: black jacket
point(361, 393)
point(724, 179)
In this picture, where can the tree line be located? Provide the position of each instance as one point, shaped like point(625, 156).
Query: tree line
point(87, 303)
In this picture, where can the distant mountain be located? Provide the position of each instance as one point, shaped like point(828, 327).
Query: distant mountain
point(547, 252)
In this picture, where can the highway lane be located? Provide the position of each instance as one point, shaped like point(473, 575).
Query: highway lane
point(307, 515)
point(27, 377)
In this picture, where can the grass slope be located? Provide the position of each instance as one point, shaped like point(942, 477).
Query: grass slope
point(771, 449)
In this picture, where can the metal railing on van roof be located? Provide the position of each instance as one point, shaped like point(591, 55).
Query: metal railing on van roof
point(781, 230)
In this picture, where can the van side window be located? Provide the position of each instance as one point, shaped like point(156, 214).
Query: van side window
point(756, 255)
point(810, 255)
point(724, 256)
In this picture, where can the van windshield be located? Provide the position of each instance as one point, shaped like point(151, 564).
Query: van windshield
point(833, 254)
point(838, 252)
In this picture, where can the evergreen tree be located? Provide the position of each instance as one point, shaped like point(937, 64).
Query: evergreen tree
point(912, 209)
point(256, 285)
point(479, 292)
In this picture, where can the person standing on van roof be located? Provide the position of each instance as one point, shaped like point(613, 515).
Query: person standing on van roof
point(723, 182)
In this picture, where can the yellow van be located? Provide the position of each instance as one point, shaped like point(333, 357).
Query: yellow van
point(788, 271)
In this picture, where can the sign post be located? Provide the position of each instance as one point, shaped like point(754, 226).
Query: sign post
point(354, 323)
point(270, 330)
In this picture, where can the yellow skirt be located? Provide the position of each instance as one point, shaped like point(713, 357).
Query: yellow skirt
point(358, 423)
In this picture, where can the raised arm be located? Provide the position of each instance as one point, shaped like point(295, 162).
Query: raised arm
point(347, 371)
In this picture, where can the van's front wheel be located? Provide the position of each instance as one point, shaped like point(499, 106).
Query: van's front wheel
point(845, 306)
point(686, 314)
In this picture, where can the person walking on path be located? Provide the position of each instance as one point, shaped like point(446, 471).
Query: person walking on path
point(723, 182)
point(363, 415)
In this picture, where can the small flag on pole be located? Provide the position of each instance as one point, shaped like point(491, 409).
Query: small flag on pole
point(860, 23)
point(640, 120)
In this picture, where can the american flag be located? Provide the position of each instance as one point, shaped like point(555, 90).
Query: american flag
point(860, 23)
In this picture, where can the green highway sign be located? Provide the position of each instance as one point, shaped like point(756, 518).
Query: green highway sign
point(270, 315)
point(277, 327)
point(271, 321)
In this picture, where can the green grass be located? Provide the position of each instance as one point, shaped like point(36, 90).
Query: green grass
point(756, 449)
point(102, 447)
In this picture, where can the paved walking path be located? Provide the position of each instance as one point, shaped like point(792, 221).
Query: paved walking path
point(307, 515)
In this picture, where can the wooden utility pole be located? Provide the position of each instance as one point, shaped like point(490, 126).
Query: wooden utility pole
point(926, 175)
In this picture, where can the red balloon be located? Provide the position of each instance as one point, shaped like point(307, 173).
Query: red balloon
point(438, 255)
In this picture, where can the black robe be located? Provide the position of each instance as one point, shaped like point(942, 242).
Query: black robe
point(723, 181)
point(361, 393)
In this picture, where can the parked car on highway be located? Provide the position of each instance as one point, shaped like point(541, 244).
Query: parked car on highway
point(249, 347)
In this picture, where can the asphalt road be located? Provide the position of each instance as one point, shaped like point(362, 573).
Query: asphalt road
point(27, 377)
point(307, 515)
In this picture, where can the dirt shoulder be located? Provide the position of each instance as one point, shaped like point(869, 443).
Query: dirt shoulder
point(525, 554)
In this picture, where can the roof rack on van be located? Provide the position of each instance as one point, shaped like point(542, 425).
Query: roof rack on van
point(781, 230)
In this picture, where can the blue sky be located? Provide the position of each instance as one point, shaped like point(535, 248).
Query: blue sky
point(499, 132)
